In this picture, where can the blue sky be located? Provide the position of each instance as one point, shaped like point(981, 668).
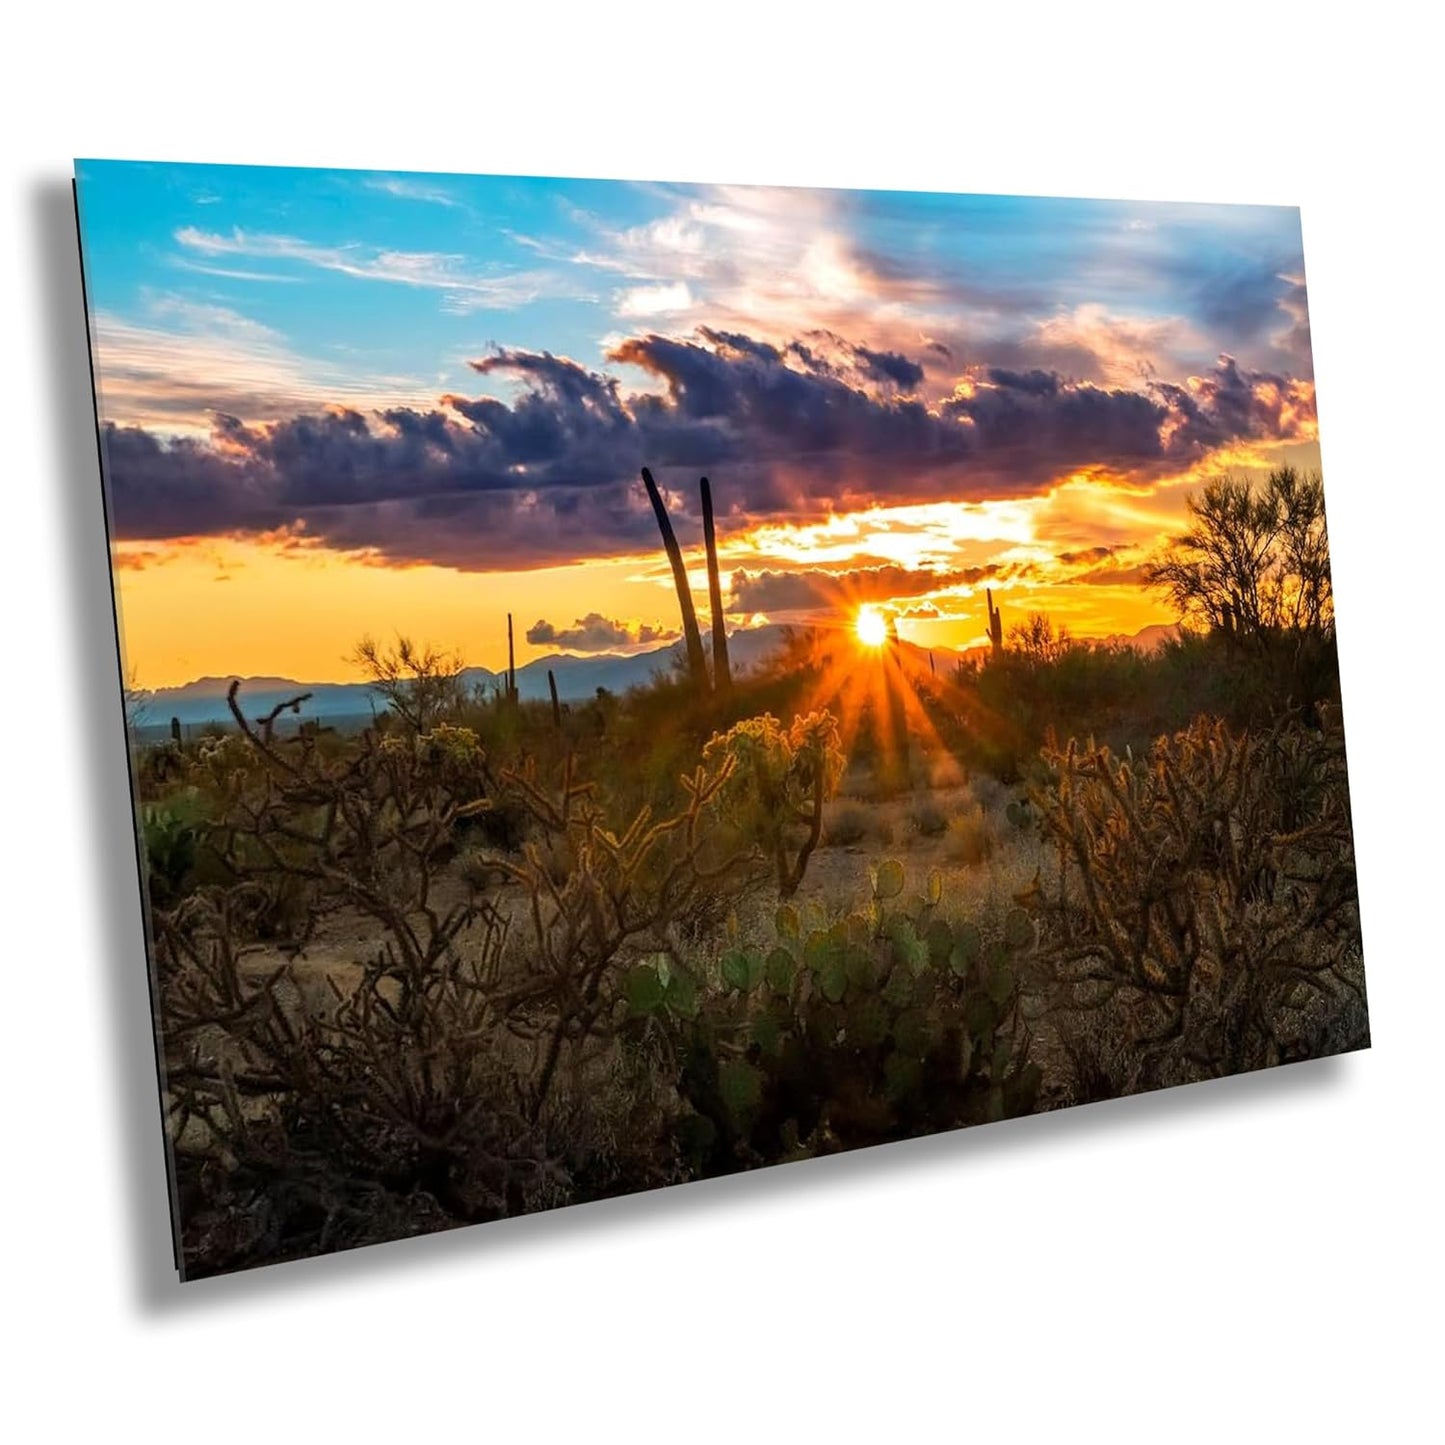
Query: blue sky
point(401, 279)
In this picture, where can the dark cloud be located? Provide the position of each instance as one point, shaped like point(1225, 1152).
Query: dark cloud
point(816, 590)
point(891, 366)
point(1088, 556)
point(1240, 296)
point(1135, 576)
point(551, 475)
point(1031, 383)
point(596, 633)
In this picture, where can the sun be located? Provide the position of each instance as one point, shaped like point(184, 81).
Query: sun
point(872, 627)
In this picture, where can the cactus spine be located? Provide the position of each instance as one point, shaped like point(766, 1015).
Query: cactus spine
point(721, 673)
point(696, 661)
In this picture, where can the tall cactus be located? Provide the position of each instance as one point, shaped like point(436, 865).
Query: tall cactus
point(722, 676)
point(511, 664)
point(995, 626)
point(556, 701)
point(696, 661)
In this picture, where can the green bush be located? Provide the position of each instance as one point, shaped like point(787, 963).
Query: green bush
point(170, 836)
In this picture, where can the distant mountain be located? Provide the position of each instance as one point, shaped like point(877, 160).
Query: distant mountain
point(204, 701)
point(578, 677)
point(1148, 639)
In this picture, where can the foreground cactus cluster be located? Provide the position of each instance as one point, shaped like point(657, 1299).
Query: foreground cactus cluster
point(885, 1023)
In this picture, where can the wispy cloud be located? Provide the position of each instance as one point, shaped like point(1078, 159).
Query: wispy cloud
point(231, 273)
point(463, 289)
point(187, 361)
point(408, 190)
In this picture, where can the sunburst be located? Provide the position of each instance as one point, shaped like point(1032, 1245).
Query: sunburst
point(872, 627)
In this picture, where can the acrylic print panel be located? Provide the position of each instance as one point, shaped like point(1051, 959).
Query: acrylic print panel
point(630, 683)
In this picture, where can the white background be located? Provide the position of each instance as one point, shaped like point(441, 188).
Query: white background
point(1254, 1258)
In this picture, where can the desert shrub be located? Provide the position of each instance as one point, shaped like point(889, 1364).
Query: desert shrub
point(777, 780)
point(971, 838)
point(1207, 908)
point(988, 792)
point(301, 1127)
point(996, 718)
point(846, 826)
point(928, 818)
point(471, 1064)
point(421, 685)
point(881, 1024)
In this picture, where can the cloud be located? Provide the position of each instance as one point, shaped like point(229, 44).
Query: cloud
point(890, 366)
point(596, 633)
point(550, 475)
point(1118, 350)
point(192, 361)
point(654, 300)
point(463, 289)
point(412, 190)
point(815, 590)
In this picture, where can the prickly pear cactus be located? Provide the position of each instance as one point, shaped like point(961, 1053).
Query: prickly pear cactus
point(888, 1022)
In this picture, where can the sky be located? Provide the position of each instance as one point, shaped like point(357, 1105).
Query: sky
point(343, 403)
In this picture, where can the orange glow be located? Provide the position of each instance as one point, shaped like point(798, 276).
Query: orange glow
point(292, 607)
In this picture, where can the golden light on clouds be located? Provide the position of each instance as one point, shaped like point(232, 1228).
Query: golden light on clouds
point(285, 605)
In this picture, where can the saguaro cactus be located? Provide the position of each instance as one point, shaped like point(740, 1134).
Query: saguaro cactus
point(995, 626)
point(556, 703)
point(511, 664)
point(721, 673)
point(175, 730)
point(692, 638)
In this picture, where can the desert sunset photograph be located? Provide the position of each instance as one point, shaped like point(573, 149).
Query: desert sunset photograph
point(632, 682)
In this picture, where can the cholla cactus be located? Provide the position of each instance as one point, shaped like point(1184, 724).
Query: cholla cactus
point(1208, 893)
point(779, 780)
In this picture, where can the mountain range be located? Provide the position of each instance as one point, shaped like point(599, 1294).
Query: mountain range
point(578, 678)
point(203, 701)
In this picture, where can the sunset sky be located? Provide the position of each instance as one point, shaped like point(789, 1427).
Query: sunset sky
point(336, 403)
